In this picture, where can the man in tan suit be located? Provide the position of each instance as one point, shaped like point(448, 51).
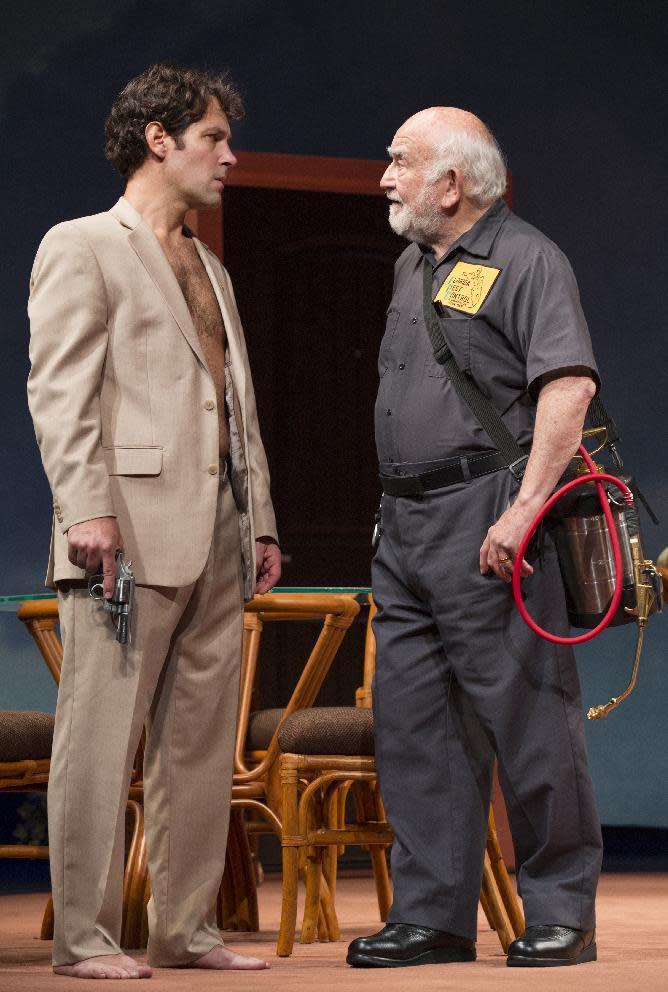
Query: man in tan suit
point(144, 412)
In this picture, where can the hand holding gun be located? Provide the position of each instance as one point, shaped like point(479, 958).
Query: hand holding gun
point(120, 604)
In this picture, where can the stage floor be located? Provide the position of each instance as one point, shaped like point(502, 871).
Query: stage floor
point(632, 949)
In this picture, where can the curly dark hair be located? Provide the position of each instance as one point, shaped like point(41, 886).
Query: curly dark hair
point(176, 97)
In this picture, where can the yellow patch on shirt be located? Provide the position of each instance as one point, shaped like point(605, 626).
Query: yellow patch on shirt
point(467, 286)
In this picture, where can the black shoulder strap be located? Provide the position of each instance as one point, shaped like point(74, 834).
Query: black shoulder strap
point(466, 387)
point(482, 409)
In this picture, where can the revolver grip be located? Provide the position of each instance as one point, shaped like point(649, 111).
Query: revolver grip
point(122, 629)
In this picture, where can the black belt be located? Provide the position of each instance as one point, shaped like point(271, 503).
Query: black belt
point(397, 481)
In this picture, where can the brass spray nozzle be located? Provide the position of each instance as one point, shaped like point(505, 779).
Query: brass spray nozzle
point(647, 599)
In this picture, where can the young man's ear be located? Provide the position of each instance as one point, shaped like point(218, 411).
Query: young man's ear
point(156, 138)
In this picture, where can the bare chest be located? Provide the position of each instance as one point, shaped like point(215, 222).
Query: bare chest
point(208, 320)
point(200, 298)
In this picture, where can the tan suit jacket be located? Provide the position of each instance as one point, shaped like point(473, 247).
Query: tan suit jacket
point(124, 404)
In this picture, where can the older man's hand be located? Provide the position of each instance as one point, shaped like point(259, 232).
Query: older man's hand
point(499, 549)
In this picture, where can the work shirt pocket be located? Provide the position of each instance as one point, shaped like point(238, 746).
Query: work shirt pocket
point(457, 332)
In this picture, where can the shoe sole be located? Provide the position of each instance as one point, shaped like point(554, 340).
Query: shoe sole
point(520, 961)
point(446, 955)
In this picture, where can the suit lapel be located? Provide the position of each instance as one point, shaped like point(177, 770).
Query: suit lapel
point(230, 324)
point(147, 247)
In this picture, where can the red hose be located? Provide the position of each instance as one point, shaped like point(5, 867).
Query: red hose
point(598, 478)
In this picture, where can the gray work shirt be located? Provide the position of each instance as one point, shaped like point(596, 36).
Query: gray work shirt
point(511, 315)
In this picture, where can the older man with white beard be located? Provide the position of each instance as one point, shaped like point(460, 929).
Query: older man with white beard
point(460, 679)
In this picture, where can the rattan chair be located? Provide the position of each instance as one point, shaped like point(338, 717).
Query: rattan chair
point(25, 756)
point(326, 753)
point(256, 792)
point(256, 779)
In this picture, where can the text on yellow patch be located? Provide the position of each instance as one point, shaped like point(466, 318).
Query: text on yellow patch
point(466, 286)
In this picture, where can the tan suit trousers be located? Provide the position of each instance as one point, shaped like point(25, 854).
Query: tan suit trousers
point(180, 677)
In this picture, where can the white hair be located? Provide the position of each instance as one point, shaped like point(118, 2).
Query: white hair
point(480, 159)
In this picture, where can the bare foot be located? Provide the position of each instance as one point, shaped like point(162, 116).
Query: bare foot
point(105, 966)
point(221, 958)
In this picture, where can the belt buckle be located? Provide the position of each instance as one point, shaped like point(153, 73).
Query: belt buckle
point(517, 467)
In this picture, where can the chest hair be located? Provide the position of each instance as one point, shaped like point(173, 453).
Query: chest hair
point(198, 293)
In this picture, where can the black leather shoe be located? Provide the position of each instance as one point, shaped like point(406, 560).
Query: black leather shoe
point(552, 946)
point(399, 945)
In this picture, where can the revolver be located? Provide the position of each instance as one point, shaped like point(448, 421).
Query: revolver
point(120, 604)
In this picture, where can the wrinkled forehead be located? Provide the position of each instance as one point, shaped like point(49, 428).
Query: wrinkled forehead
point(412, 143)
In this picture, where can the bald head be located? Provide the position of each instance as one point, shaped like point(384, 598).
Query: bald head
point(446, 138)
point(438, 122)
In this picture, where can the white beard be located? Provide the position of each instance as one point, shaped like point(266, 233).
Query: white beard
point(420, 221)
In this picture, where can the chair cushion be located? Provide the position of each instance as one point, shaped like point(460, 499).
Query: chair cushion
point(261, 727)
point(25, 735)
point(344, 730)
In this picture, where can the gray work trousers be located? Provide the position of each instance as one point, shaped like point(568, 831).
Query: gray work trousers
point(460, 678)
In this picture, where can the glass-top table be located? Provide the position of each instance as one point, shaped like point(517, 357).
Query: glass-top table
point(10, 604)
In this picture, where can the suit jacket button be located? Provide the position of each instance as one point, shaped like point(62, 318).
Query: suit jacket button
point(209, 405)
point(213, 470)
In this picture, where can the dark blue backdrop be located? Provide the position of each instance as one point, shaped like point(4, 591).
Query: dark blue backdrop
point(575, 93)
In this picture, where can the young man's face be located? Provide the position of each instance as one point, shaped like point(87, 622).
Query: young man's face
point(196, 165)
